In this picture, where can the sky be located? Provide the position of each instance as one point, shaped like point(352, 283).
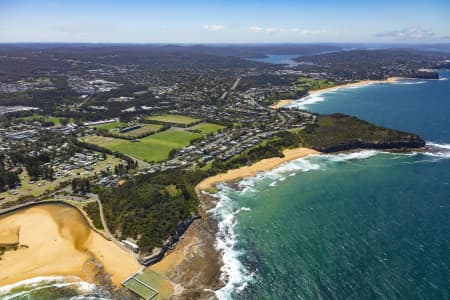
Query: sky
point(230, 21)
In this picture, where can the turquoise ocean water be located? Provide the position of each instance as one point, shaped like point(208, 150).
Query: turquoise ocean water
point(365, 225)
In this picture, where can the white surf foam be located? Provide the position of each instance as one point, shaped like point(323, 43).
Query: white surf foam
point(407, 82)
point(308, 100)
point(351, 156)
point(43, 282)
point(438, 150)
point(234, 274)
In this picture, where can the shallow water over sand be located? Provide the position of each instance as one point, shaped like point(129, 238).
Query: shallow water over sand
point(365, 225)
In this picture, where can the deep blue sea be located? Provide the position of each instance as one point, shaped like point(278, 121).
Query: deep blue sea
point(365, 225)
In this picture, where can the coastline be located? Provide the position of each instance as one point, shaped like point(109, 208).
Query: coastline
point(284, 102)
point(195, 264)
point(68, 248)
point(252, 170)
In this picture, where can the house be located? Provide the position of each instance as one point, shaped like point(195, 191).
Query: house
point(132, 246)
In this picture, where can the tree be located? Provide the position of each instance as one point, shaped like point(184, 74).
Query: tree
point(64, 121)
point(81, 185)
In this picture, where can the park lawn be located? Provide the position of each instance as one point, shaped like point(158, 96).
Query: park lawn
point(206, 128)
point(37, 117)
point(102, 141)
point(155, 147)
point(145, 129)
point(110, 126)
point(312, 84)
point(175, 119)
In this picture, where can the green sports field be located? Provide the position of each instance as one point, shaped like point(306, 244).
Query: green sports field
point(206, 128)
point(109, 126)
point(173, 119)
point(145, 129)
point(37, 117)
point(155, 147)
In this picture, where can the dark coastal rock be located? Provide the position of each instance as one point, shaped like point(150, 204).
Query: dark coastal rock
point(425, 75)
point(402, 144)
point(180, 230)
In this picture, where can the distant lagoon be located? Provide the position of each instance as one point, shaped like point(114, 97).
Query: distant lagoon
point(279, 59)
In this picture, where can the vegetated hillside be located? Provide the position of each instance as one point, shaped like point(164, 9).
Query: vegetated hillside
point(149, 208)
point(153, 208)
point(373, 64)
point(339, 132)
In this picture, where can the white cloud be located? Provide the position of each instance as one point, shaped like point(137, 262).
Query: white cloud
point(256, 28)
point(213, 27)
point(410, 33)
point(286, 30)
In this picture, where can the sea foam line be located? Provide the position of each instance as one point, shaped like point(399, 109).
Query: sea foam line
point(319, 96)
point(234, 273)
point(42, 282)
point(438, 150)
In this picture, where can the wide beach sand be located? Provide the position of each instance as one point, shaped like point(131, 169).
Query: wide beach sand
point(260, 166)
point(56, 240)
point(195, 263)
point(284, 102)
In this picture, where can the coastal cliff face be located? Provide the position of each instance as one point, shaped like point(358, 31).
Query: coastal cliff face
point(339, 132)
point(194, 266)
point(425, 75)
point(405, 144)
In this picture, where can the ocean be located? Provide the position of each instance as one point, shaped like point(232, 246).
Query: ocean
point(53, 287)
point(363, 225)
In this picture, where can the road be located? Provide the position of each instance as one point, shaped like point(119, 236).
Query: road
point(233, 87)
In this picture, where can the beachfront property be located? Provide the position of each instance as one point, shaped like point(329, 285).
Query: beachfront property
point(132, 246)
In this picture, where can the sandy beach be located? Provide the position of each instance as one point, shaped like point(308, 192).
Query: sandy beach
point(284, 102)
point(194, 266)
point(281, 103)
point(70, 248)
point(260, 166)
point(55, 240)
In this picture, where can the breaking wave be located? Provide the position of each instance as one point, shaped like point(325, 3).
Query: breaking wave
point(438, 150)
point(234, 273)
point(69, 287)
point(308, 100)
point(409, 82)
